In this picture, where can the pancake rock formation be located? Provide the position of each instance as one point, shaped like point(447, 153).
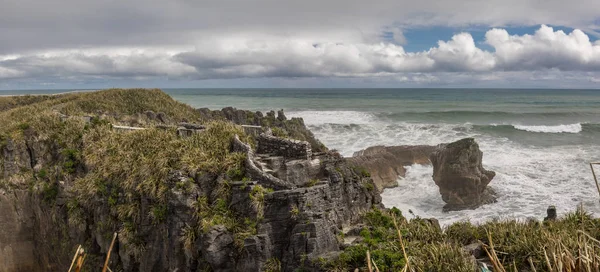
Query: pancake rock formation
point(386, 163)
point(458, 171)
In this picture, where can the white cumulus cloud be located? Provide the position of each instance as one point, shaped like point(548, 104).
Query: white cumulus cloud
point(544, 49)
point(246, 56)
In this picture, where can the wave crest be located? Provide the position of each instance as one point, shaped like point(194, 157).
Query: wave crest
point(571, 128)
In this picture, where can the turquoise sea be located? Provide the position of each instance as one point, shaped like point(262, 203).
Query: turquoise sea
point(539, 142)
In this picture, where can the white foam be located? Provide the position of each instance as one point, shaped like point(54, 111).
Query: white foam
point(349, 138)
point(571, 128)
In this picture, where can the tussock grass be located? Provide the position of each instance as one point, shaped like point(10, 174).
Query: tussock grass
point(568, 244)
point(124, 168)
point(118, 174)
point(41, 113)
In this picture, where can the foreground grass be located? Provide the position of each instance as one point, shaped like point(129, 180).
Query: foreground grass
point(568, 244)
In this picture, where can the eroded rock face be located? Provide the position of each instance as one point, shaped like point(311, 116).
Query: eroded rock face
point(300, 225)
point(294, 127)
point(217, 248)
point(16, 233)
point(458, 171)
point(386, 163)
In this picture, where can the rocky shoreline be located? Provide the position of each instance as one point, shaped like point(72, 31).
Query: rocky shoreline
point(229, 190)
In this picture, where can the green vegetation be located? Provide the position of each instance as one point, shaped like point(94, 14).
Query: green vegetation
point(159, 213)
point(361, 171)
point(72, 160)
point(272, 265)
point(257, 195)
point(294, 211)
point(42, 113)
point(49, 191)
point(124, 167)
point(518, 246)
point(279, 132)
point(124, 173)
point(312, 182)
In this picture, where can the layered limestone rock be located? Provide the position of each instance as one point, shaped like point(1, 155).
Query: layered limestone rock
point(17, 244)
point(293, 128)
point(386, 163)
point(459, 173)
point(301, 225)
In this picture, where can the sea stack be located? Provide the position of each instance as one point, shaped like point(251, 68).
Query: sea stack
point(458, 171)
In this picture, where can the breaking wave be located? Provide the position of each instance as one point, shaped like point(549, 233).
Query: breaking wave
point(572, 128)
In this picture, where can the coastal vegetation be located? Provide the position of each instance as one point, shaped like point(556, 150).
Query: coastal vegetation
point(125, 178)
point(396, 243)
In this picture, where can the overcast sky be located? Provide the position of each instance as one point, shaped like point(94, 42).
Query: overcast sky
point(308, 43)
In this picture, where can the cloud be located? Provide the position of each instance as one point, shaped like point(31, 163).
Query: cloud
point(270, 56)
point(106, 63)
point(32, 25)
point(545, 49)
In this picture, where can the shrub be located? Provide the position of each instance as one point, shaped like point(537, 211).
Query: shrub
point(49, 191)
point(272, 265)
point(72, 161)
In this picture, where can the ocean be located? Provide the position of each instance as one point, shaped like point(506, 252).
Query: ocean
point(539, 142)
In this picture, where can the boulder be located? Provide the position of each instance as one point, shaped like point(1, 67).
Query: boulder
point(162, 117)
point(550, 213)
point(458, 171)
point(386, 163)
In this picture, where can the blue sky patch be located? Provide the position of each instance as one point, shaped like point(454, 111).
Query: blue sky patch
point(424, 38)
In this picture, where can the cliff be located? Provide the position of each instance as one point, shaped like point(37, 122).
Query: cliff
point(184, 190)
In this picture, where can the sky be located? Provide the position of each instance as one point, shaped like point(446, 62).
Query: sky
point(74, 44)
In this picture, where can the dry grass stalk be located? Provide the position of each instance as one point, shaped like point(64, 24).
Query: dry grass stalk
point(80, 262)
point(493, 256)
point(369, 261)
point(74, 258)
point(407, 267)
point(375, 265)
point(531, 264)
point(558, 257)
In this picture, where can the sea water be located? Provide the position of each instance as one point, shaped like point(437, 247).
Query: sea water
point(539, 142)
